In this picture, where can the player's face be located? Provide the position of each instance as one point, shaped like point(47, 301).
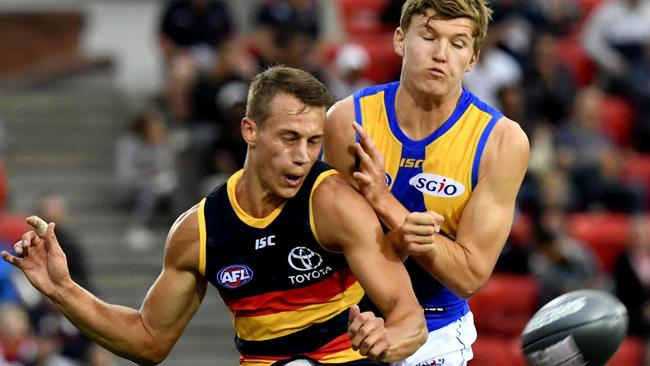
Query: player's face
point(288, 145)
point(436, 53)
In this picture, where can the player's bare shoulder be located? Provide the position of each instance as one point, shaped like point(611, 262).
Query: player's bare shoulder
point(339, 122)
point(510, 136)
point(339, 139)
point(182, 247)
point(507, 144)
point(338, 209)
point(342, 111)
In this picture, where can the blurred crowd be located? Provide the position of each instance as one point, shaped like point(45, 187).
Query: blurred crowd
point(574, 73)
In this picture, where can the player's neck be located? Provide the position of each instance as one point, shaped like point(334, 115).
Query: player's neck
point(419, 115)
point(253, 198)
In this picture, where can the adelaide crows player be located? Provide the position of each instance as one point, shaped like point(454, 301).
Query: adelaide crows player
point(269, 240)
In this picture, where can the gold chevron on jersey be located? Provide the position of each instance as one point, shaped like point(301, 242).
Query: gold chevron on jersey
point(283, 323)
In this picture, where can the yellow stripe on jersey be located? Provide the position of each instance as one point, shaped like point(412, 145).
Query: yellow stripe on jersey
point(259, 223)
point(319, 179)
point(342, 356)
point(272, 326)
point(202, 236)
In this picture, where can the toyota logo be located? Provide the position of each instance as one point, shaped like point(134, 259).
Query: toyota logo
point(304, 259)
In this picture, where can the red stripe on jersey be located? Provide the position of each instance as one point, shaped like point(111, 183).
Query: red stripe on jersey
point(280, 301)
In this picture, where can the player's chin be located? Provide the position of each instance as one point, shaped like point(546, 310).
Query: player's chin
point(287, 192)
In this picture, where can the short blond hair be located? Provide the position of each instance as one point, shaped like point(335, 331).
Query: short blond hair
point(475, 10)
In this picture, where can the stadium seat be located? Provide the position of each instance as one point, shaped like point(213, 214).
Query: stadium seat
point(384, 62)
point(522, 230)
point(490, 351)
point(631, 353)
point(636, 168)
point(606, 234)
point(497, 312)
point(12, 227)
point(362, 17)
point(575, 58)
point(617, 119)
point(587, 6)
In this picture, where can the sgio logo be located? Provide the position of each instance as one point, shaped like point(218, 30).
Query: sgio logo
point(234, 275)
point(437, 185)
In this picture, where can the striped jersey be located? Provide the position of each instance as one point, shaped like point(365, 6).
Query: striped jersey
point(287, 295)
point(437, 173)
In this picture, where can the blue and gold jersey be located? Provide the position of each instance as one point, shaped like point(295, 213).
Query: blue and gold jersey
point(437, 173)
point(287, 295)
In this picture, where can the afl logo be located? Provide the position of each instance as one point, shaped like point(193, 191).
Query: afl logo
point(304, 259)
point(234, 275)
point(437, 185)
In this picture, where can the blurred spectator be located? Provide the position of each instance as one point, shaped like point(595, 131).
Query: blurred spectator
point(190, 32)
point(640, 81)
point(494, 70)
point(614, 36)
point(289, 32)
point(513, 25)
point(17, 345)
point(560, 264)
point(560, 16)
point(206, 120)
point(146, 176)
point(227, 154)
point(347, 75)
point(592, 161)
point(549, 85)
point(632, 278)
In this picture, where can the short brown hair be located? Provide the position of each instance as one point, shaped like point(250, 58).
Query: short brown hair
point(283, 79)
point(476, 10)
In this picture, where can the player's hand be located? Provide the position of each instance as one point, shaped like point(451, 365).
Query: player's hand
point(371, 177)
point(368, 334)
point(416, 236)
point(40, 258)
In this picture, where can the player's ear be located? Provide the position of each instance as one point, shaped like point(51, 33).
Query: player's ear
point(398, 41)
point(473, 60)
point(249, 131)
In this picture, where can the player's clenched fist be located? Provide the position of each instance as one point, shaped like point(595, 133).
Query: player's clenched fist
point(416, 235)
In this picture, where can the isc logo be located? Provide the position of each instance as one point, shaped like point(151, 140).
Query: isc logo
point(234, 275)
point(264, 242)
point(437, 185)
point(410, 163)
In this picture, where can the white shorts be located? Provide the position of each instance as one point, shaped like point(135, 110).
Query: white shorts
point(450, 345)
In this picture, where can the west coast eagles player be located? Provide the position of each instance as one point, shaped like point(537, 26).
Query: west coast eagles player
point(433, 154)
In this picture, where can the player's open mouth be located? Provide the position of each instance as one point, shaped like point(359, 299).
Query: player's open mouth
point(293, 179)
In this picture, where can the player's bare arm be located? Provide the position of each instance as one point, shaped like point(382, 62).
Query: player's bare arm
point(146, 335)
point(345, 222)
point(465, 265)
point(341, 149)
